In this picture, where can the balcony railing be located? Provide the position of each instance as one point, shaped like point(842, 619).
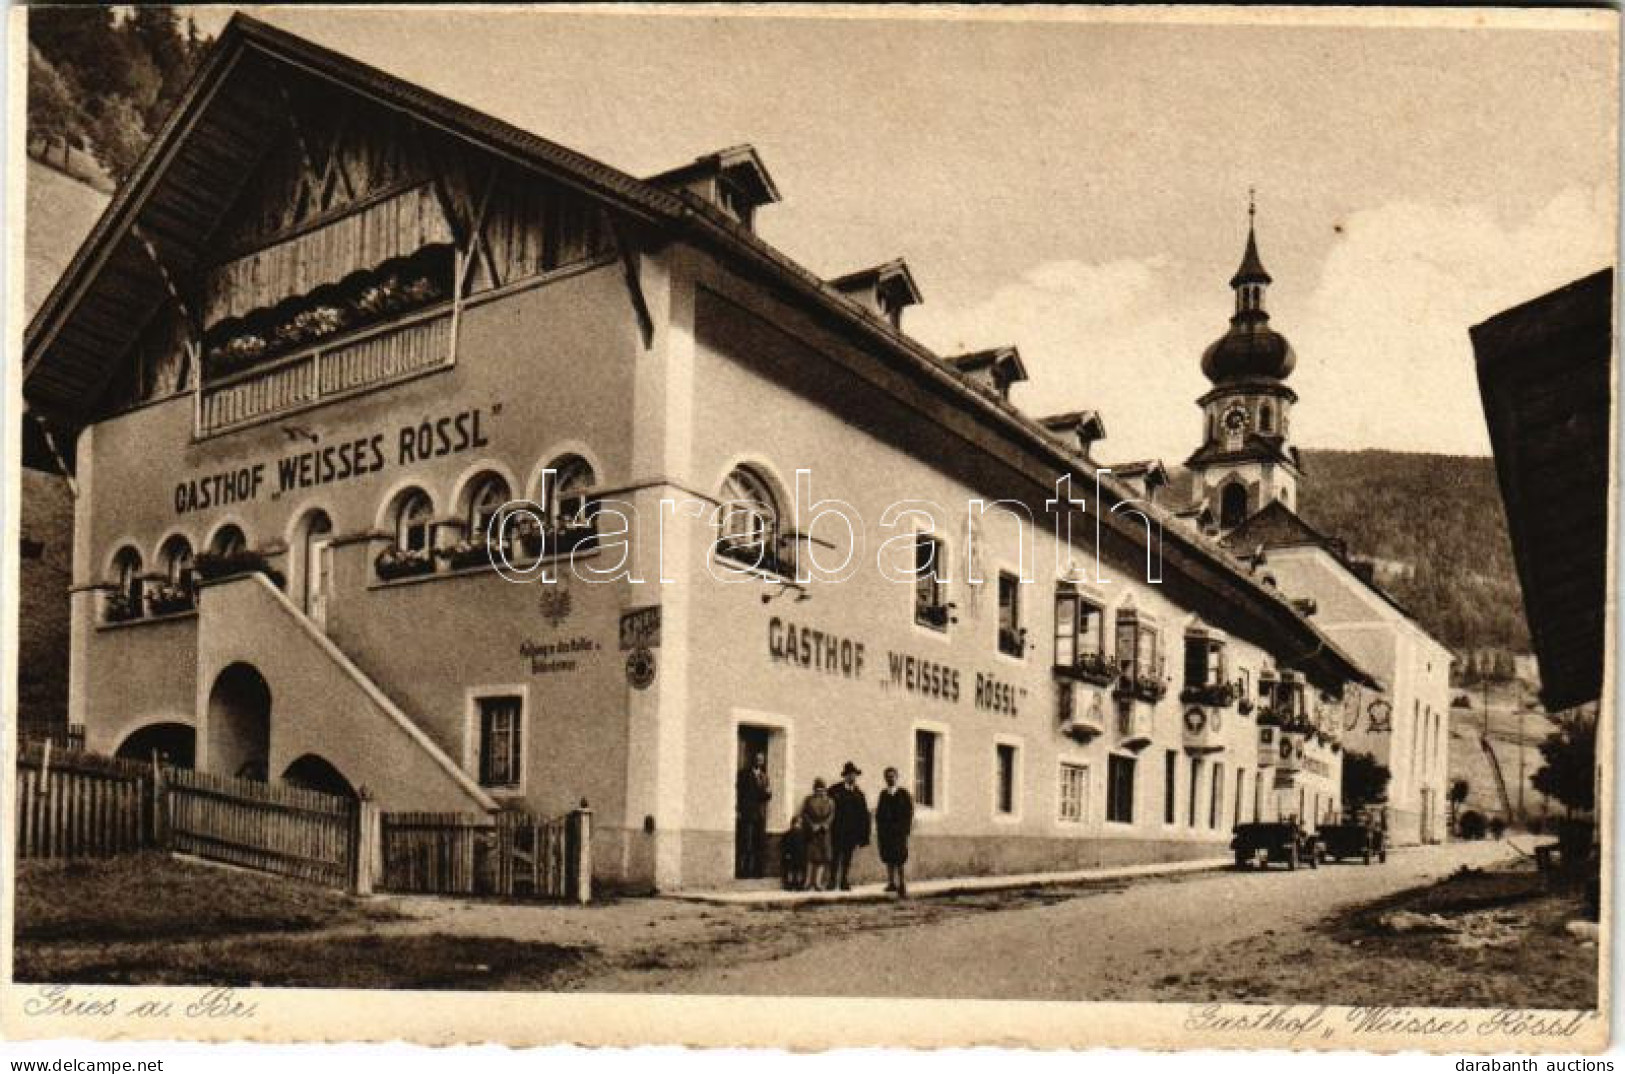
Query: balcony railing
point(1091, 667)
point(355, 363)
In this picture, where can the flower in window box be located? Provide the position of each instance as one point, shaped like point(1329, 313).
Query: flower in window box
point(1096, 668)
point(1012, 642)
point(237, 352)
point(1245, 706)
point(1212, 694)
point(466, 554)
point(119, 608)
point(169, 598)
point(571, 536)
point(1147, 688)
point(212, 565)
point(396, 562)
point(933, 615)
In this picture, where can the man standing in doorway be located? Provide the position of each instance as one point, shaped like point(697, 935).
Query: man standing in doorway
point(752, 791)
point(850, 829)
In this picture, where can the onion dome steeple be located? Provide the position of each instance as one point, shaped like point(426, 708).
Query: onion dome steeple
point(1251, 348)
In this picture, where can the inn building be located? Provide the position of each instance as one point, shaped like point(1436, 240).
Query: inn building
point(334, 323)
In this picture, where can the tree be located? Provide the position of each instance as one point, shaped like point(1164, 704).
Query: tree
point(1570, 752)
point(1365, 780)
point(53, 103)
point(1458, 795)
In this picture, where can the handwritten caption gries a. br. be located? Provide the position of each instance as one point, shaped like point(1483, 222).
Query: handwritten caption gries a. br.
point(63, 1001)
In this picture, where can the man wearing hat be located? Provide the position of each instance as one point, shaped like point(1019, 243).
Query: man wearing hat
point(850, 829)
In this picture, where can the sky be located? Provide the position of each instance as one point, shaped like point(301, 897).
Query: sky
point(1079, 188)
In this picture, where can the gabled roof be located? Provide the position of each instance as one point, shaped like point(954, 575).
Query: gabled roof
point(192, 171)
point(1275, 525)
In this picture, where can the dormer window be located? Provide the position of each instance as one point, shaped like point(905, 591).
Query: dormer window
point(996, 370)
point(734, 180)
point(886, 289)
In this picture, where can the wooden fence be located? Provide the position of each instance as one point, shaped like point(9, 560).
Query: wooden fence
point(76, 805)
point(506, 854)
point(269, 827)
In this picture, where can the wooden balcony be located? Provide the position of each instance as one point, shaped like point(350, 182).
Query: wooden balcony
point(325, 371)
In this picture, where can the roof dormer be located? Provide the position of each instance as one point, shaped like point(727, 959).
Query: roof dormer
point(1145, 476)
point(1084, 426)
point(886, 289)
point(996, 369)
point(734, 180)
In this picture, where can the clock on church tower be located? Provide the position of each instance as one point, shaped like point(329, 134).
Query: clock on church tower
point(1246, 460)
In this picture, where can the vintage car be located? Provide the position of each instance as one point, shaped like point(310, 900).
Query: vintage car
point(1355, 837)
point(1281, 842)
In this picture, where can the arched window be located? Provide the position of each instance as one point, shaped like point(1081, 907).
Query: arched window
point(315, 536)
point(572, 512)
point(412, 552)
point(749, 527)
point(176, 561)
point(1266, 419)
point(175, 592)
point(228, 541)
point(124, 602)
point(1232, 505)
point(486, 496)
point(414, 519)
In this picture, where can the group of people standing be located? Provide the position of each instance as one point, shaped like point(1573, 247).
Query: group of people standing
point(829, 828)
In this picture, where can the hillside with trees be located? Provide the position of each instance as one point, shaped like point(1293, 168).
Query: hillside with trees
point(103, 79)
point(1436, 525)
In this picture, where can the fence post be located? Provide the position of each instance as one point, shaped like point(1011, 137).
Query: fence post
point(580, 851)
point(158, 823)
point(365, 848)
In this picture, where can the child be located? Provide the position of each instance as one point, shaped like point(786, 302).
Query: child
point(793, 856)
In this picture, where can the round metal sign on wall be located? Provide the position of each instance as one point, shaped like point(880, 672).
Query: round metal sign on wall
point(640, 668)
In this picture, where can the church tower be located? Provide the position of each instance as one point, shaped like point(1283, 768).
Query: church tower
point(1246, 460)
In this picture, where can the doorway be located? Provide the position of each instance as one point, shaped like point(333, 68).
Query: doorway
point(754, 813)
point(316, 565)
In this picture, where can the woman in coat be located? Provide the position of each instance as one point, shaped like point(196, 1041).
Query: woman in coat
point(894, 819)
point(817, 814)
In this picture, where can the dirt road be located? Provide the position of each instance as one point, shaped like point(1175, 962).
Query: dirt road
point(1119, 944)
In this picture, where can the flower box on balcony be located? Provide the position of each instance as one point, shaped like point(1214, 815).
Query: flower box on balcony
point(1093, 668)
point(1213, 694)
point(394, 562)
point(119, 608)
point(1140, 688)
point(466, 555)
point(210, 566)
point(170, 599)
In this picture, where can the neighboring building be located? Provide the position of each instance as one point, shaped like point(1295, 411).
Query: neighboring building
point(1545, 370)
point(298, 389)
point(1242, 483)
point(64, 197)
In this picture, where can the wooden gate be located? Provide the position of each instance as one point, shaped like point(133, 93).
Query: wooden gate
point(506, 854)
point(74, 804)
point(275, 828)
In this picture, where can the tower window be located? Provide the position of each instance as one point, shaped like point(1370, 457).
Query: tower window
point(1232, 505)
point(1266, 419)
